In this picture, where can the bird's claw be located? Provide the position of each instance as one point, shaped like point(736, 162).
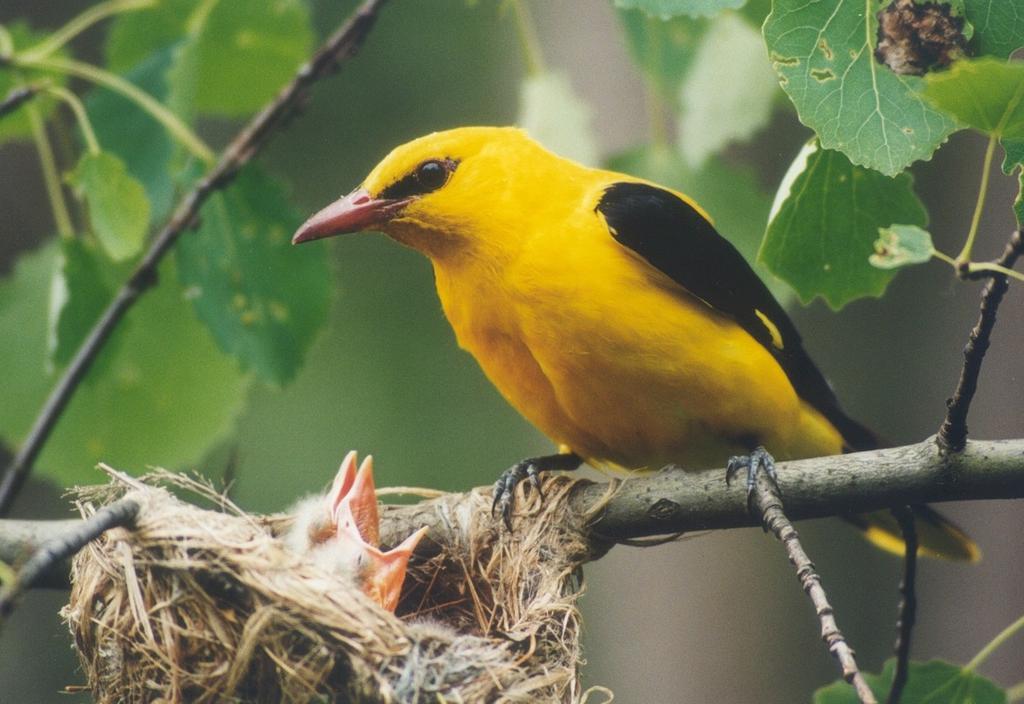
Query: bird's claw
point(505, 488)
point(758, 459)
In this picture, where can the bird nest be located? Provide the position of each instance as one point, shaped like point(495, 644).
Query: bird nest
point(208, 605)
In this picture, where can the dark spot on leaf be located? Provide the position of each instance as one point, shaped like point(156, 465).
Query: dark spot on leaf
point(916, 38)
point(821, 75)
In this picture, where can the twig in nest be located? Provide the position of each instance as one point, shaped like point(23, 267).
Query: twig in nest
point(767, 502)
point(908, 602)
point(953, 432)
point(118, 514)
point(341, 45)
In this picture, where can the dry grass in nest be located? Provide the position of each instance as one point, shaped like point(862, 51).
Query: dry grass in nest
point(207, 605)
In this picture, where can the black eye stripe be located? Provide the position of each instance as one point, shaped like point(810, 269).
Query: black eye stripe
point(426, 177)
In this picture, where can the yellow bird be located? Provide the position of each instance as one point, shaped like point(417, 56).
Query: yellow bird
point(610, 313)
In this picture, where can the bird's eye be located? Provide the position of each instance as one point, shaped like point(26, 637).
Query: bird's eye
point(431, 175)
point(427, 177)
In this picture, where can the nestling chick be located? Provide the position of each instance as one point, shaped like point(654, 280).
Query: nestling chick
point(340, 532)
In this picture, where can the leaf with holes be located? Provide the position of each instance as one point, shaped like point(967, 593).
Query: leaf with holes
point(986, 94)
point(665, 9)
point(928, 683)
point(825, 221)
point(824, 55)
point(263, 300)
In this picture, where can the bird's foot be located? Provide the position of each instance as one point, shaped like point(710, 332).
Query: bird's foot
point(757, 460)
point(504, 494)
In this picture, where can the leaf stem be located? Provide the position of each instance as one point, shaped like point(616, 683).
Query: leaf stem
point(51, 176)
point(979, 206)
point(994, 644)
point(533, 57)
point(81, 116)
point(1015, 693)
point(973, 267)
point(81, 23)
point(189, 139)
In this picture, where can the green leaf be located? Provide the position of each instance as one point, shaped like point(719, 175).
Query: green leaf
point(238, 54)
point(929, 683)
point(666, 9)
point(825, 221)
point(824, 55)
point(16, 124)
point(162, 398)
point(132, 134)
point(729, 91)
point(118, 206)
point(986, 94)
point(663, 49)
point(730, 195)
point(1013, 155)
point(901, 245)
point(134, 36)
point(245, 52)
point(263, 300)
point(998, 25)
point(556, 117)
point(79, 291)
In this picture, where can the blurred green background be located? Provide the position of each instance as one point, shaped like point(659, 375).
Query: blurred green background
point(715, 618)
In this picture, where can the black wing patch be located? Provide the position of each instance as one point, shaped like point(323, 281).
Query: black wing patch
point(675, 238)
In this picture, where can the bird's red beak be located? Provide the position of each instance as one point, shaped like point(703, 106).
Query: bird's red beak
point(352, 213)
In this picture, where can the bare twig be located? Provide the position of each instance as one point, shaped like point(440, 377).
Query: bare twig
point(17, 97)
point(767, 502)
point(61, 547)
point(342, 45)
point(953, 432)
point(908, 603)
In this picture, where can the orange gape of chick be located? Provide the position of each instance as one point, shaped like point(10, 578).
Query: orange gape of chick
point(608, 311)
point(340, 532)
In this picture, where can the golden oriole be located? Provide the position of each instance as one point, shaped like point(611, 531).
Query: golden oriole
point(609, 312)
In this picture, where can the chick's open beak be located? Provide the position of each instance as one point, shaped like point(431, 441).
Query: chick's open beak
point(352, 213)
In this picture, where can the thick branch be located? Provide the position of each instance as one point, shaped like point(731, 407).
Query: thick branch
point(342, 45)
point(953, 432)
point(769, 505)
point(677, 500)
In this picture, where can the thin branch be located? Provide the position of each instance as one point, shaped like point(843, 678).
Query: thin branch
point(341, 45)
point(157, 110)
point(18, 97)
point(769, 505)
point(60, 548)
point(953, 432)
point(908, 602)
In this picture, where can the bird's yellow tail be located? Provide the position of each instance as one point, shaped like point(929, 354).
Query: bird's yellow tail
point(937, 536)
